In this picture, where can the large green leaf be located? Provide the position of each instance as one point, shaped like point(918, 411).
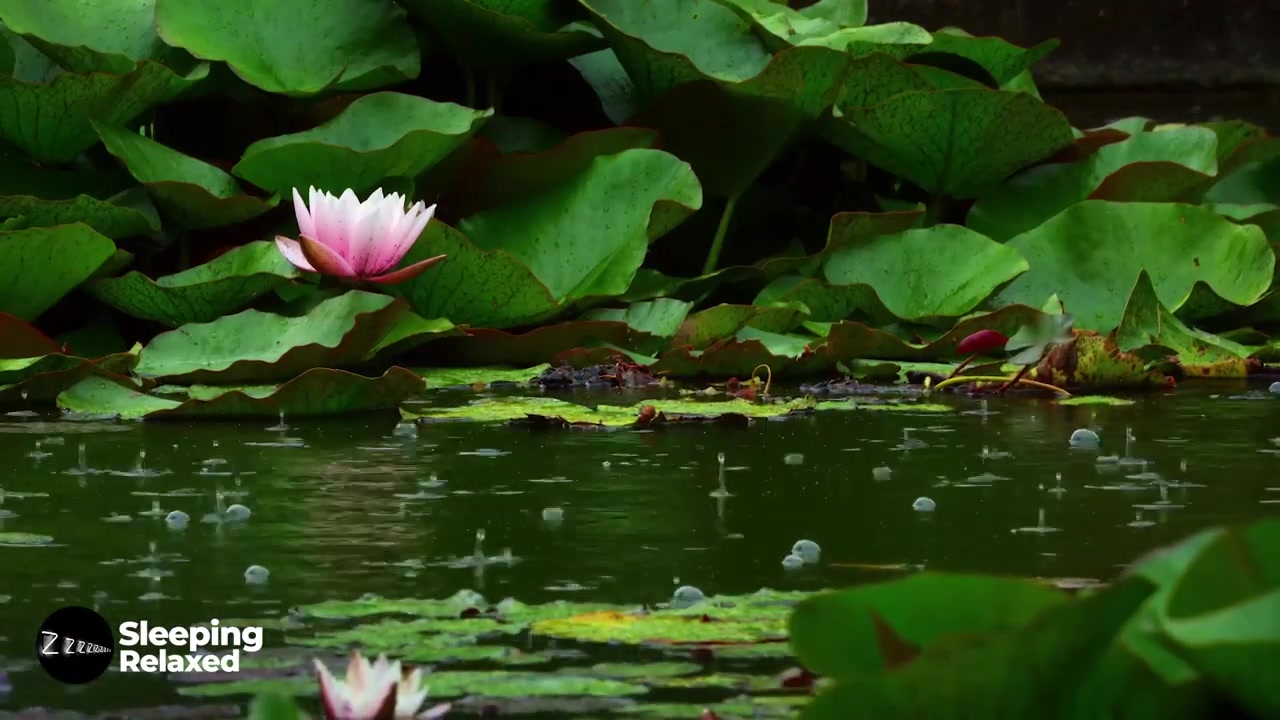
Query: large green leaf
point(505, 33)
point(1150, 331)
point(194, 193)
point(1223, 613)
point(378, 136)
point(1002, 59)
point(253, 346)
point(52, 120)
point(916, 275)
point(202, 294)
point(840, 29)
point(1029, 671)
point(1169, 165)
point(319, 391)
point(710, 84)
point(1090, 255)
point(296, 47)
point(836, 633)
point(40, 265)
point(848, 341)
point(23, 194)
point(86, 36)
point(959, 143)
point(661, 318)
point(522, 262)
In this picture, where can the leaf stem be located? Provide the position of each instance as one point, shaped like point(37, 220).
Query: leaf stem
point(936, 211)
point(1006, 380)
point(717, 243)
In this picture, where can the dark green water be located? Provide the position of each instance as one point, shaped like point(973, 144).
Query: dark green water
point(639, 517)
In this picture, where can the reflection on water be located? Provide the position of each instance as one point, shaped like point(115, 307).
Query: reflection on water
point(298, 512)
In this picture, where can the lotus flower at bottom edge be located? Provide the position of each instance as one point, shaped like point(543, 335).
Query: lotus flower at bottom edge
point(375, 691)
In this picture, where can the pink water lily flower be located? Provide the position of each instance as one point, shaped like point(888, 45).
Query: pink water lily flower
point(346, 238)
point(374, 691)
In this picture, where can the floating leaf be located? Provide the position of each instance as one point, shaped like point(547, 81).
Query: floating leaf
point(724, 321)
point(39, 266)
point(1094, 362)
point(381, 135)
point(544, 344)
point(503, 34)
point(1170, 165)
point(956, 142)
point(1148, 330)
point(53, 121)
point(1094, 400)
point(297, 47)
point(551, 411)
point(254, 346)
point(472, 376)
point(1002, 59)
point(203, 293)
point(1091, 254)
point(194, 193)
point(319, 391)
point(22, 539)
point(41, 378)
point(45, 198)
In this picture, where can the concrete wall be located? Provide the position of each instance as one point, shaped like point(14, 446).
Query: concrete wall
point(1171, 59)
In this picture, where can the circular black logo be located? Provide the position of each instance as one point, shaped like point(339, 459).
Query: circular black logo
point(75, 645)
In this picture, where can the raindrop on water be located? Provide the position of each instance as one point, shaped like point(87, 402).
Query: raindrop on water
point(881, 474)
point(1085, 439)
point(177, 520)
point(155, 510)
point(793, 458)
point(552, 515)
point(282, 426)
point(807, 550)
point(38, 454)
point(237, 512)
point(256, 574)
point(924, 504)
point(686, 596)
point(792, 562)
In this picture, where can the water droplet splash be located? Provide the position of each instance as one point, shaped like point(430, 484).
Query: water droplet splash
point(807, 550)
point(924, 505)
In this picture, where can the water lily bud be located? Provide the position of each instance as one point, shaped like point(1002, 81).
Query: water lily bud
point(981, 343)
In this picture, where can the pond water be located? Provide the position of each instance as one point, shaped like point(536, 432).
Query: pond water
point(348, 507)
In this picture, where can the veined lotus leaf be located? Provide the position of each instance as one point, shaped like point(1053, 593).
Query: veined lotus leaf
point(748, 352)
point(316, 392)
point(1034, 339)
point(839, 633)
point(410, 331)
point(255, 346)
point(1091, 254)
point(109, 36)
point(503, 33)
point(546, 344)
point(661, 319)
point(847, 229)
point(203, 293)
point(38, 266)
point(193, 193)
point(959, 143)
point(1053, 651)
point(1170, 165)
point(41, 379)
point(916, 275)
point(553, 412)
point(53, 120)
point(1148, 330)
point(381, 135)
point(522, 263)
point(1223, 613)
point(297, 47)
point(713, 88)
point(1254, 182)
point(784, 27)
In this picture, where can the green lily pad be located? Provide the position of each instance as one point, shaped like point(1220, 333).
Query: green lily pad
point(706, 327)
point(747, 352)
point(1223, 613)
point(381, 135)
point(1151, 332)
point(521, 263)
point(21, 539)
point(839, 633)
point(1052, 651)
point(53, 120)
point(546, 410)
point(894, 405)
point(957, 142)
point(784, 27)
point(661, 318)
point(1002, 59)
point(255, 346)
point(42, 378)
point(193, 193)
point(612, 626)
point(1169, 165)
point(297, 47)
point(410, 331)
point(545, 344)
point(203, 293)
point(319, 391)
point(504, 34)
point(846, 230)
point(107, 37)
point(468, 377)
point(125, 214)
point(38, 266)
point(1094, 400)
point(918, 275)
point(1091, 254)
point(720, 97)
